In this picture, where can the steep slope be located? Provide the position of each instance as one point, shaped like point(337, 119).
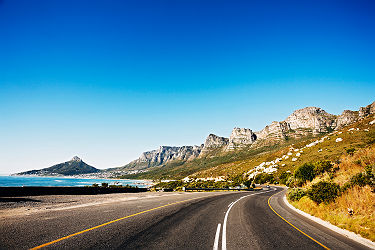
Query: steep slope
point(73, 167)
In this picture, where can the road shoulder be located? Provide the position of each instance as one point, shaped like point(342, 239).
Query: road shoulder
point(353, 236)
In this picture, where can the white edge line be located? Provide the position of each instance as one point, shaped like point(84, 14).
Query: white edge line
point(217, 236)
point(224, 232)
point(344, 232)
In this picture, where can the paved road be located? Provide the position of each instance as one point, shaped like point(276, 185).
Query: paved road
point(226, 220)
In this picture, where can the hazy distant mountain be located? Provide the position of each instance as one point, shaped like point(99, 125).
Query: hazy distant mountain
point(73, 167)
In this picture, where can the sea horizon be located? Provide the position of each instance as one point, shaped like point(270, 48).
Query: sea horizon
point(60, 181)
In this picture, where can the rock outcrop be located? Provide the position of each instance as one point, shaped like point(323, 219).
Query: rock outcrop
point(346, 118)
point(274, 131)
point(214, 141)
point(163, 155)
point(311, 118)
point(302, 122)
point(167, 153)
point(366, 111)
point(76, 158)
point(241, 137)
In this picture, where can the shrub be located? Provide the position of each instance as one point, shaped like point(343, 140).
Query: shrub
point(322, 166)
point(104, 184)
point(290, 181)
point(284, 176)
point(350, 151)
point(323, 191)
point(236, 180)
point(371, 137)
point(296, 194)
point(361, 179)
point(248, 183)
point(370, 170)
point(263, 178)
point(305, 173)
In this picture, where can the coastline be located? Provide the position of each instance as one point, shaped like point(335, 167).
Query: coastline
point(74, 181)
point(75, 177)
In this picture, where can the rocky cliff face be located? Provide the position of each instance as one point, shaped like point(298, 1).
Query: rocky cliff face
point(302, 122)
point(311, 118)
point(241, 137)
point(164, 155)
point(276, 131)
point(347, 117)
point(214, 141)
point(366, 111)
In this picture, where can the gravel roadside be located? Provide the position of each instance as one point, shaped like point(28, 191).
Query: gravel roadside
point(16, 206)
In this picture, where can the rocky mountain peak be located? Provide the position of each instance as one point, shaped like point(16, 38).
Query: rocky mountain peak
point(313, 118)
point(241, 137)
point(368, 110)
point(76, 158)
point(347, 117)
point(275, 131)
point(214, 141)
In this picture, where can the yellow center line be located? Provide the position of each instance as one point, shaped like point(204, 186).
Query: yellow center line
point(107, 223)
point(293, 225)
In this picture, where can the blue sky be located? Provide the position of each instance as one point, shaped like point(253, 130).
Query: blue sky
point(107, 80)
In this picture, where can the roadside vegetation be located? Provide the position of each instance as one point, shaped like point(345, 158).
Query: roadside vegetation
point(106, 185)
point(341, 192)
point(230, 182)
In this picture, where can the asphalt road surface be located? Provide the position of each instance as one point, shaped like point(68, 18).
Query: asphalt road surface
point(200, 220)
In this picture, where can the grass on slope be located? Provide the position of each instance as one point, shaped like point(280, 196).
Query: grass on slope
point(360, 199)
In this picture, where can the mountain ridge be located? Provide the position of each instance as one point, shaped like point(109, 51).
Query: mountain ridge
point(301, 123)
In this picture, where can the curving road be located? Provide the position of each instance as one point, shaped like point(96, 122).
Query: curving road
point(212, 220)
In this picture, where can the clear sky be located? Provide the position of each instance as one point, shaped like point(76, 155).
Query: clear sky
point(107, 80)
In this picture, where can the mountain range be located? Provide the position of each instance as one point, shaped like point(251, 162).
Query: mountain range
point(302, 123)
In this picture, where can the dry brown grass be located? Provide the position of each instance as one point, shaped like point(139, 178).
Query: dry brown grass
point(351, 165)
point(361, 200)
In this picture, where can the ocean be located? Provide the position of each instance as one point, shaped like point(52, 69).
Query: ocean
point(19, 181)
